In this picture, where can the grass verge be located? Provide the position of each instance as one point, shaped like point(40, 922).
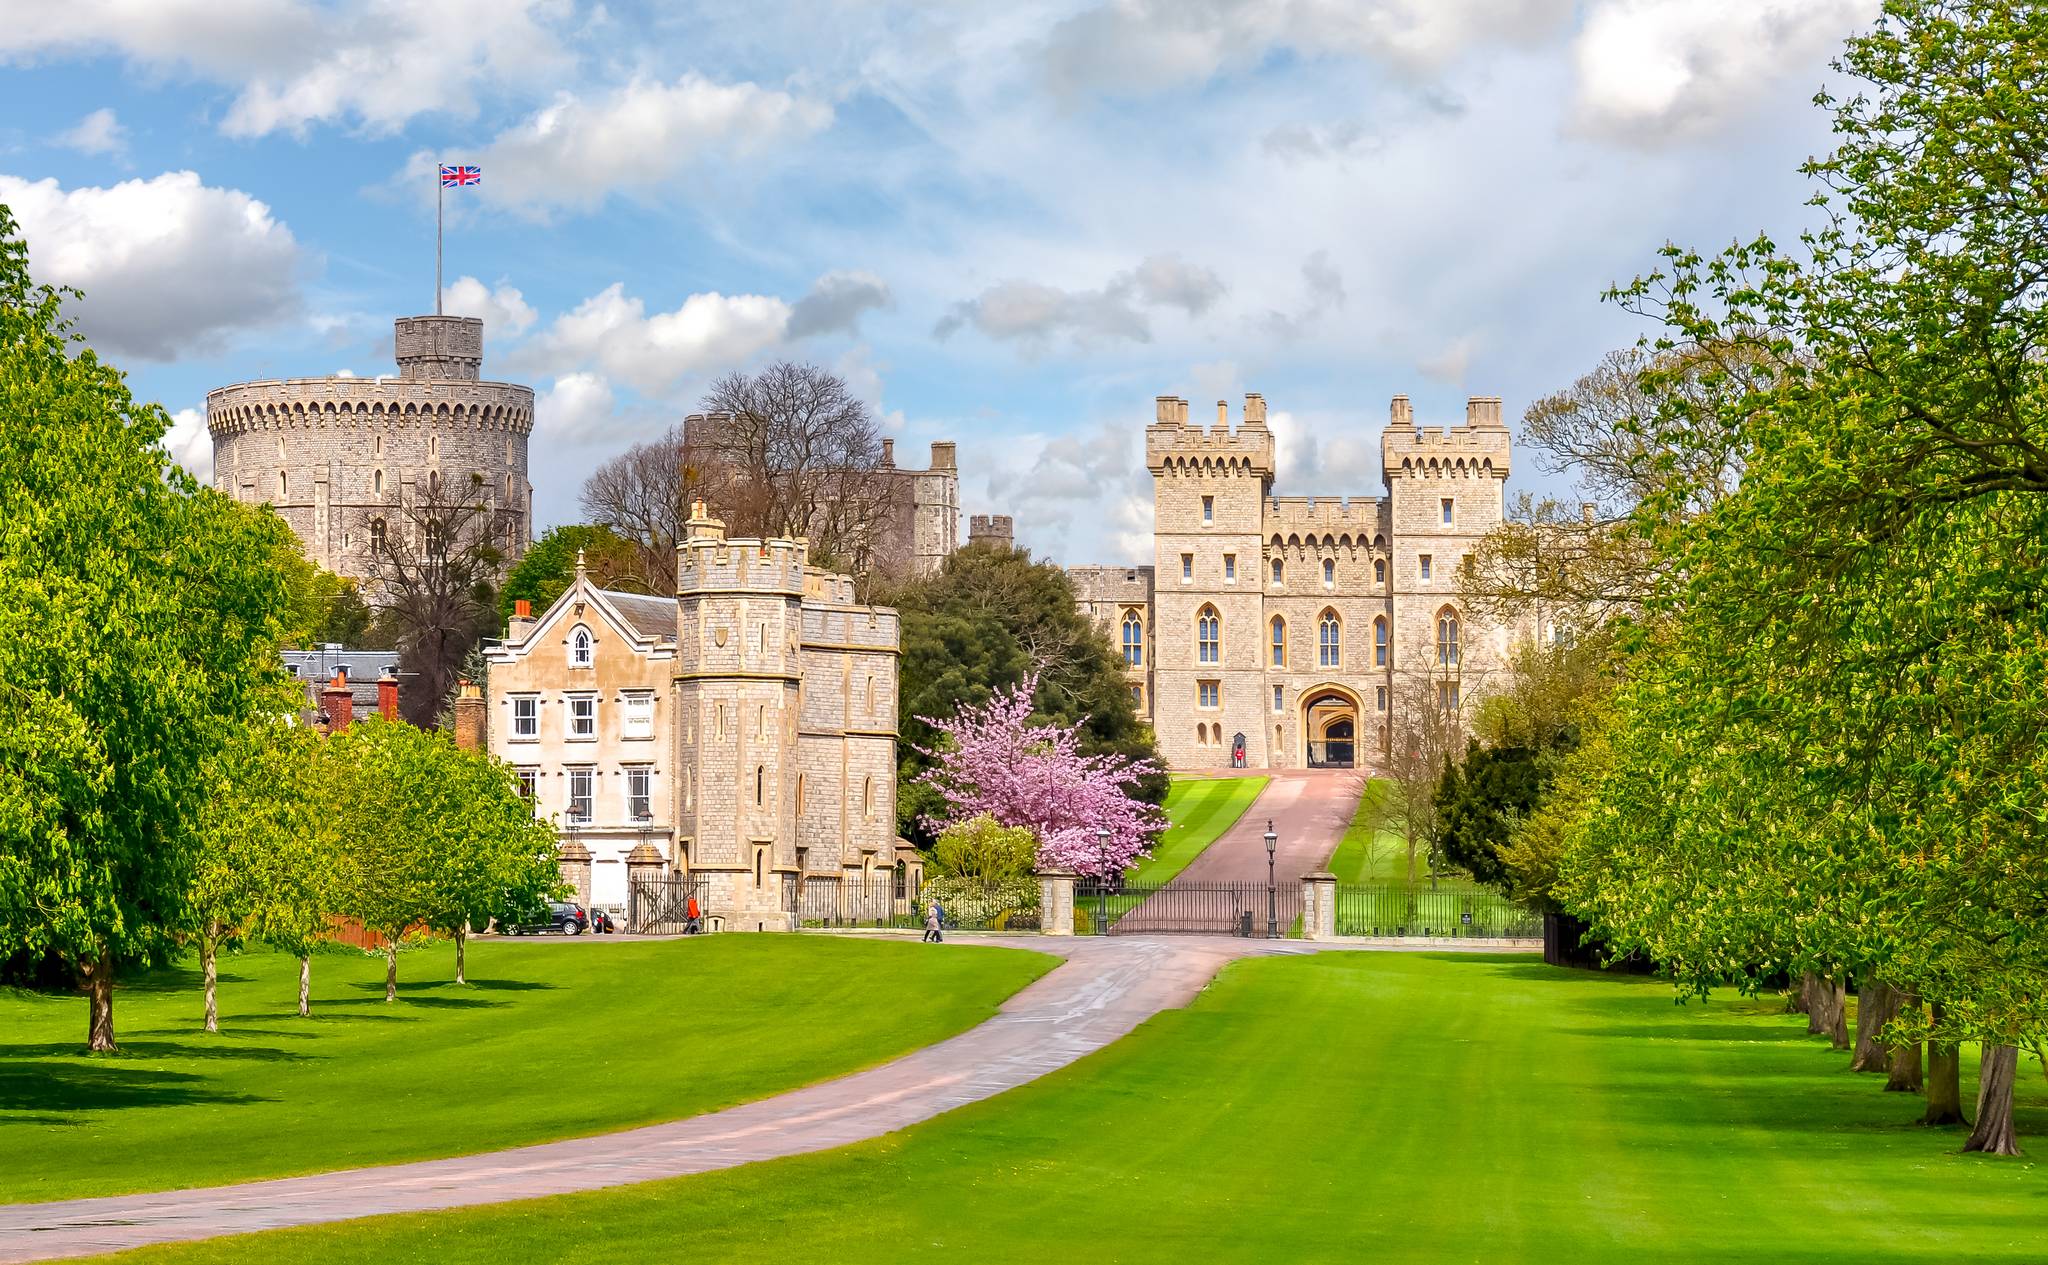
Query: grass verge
point(1342, 1107)
point(1198, 811)
point(550, 1039)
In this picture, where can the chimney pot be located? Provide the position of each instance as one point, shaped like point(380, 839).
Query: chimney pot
point(889, 453)
point(522, 609)
point(387, 696)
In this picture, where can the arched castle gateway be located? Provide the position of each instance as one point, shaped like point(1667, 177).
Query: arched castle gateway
point(1302, 630)
point(342, 459)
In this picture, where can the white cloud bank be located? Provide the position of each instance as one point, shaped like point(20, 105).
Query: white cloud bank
point(166, 266)
point(650, 352)
point(1035, 313)
point(98, 133)
point(503, 309)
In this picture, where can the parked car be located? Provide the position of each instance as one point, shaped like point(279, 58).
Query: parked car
point(554, 915)
point(601, 922)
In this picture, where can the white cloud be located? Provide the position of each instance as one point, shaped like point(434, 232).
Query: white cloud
point(1132, 47)
point(578, 150)
point(1451, 362)
point(709, 332)
point(835, 303)
point(190, 444)
point(579, 406)
point(1652, 68)
point(375, 64)
point(167, 265)
point(504, 310)
point(1072, 490)
point(1035, 313)
point(1317, 454)
point(97, 133)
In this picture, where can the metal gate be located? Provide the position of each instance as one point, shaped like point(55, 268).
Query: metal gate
point(661, 906)
point(1181, 908)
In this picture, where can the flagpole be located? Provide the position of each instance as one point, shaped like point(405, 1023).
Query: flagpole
point(437, 239)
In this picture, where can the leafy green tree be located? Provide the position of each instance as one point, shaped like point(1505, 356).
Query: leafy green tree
point(984, 848)
point(486, 850)
point(386, 871)
point(982, 623)
point(549, 565)
point(301, 883)
point(139, 618)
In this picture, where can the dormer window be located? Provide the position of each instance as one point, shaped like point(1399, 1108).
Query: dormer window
point(580, 648)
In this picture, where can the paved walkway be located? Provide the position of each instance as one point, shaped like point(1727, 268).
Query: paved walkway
point(1310, 809)
point(1105, 988)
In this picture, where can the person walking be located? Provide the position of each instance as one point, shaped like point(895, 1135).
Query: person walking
point(693, 917)
point(934, 924)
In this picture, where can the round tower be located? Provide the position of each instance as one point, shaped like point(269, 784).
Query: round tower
point(347, 461)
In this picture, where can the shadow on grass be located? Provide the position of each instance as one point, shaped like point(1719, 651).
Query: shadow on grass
point(54, 1092)
point(223, 1047)
point(1681, 1027)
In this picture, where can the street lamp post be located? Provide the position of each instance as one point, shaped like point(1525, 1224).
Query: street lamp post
point(1102, 879)
point(1272, 885)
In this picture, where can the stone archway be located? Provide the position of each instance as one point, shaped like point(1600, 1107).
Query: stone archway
point(1330, 720)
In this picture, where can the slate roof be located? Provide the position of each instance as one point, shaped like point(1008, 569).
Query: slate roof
point(652, 617)
point(316, 668)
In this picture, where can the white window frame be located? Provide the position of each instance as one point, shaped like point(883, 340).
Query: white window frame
point(588, 778)
point(638, 715)
point(576, 702)
point(582, 647)
point(531, 732)
point(640, 799)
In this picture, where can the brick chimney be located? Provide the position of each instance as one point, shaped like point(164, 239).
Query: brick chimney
point(338, 702)
point(469, 717)
point(387, 695)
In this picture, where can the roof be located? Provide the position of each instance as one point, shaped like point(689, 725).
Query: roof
point(651, 617)
point(316, 668)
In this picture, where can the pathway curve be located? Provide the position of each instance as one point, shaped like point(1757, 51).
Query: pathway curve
point(1106, 988)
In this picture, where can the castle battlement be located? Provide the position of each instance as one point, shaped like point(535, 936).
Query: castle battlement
point(1172, 444)
point(324, 403)
point(1481, 448)
point(1361, 514)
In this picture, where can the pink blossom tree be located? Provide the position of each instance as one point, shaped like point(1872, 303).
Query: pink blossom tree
point(992, 760)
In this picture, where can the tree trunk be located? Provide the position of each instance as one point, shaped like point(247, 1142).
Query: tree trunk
point(209, 949)
point(1830, 1017)
point(1795, 1000)
point(99, 987)
point(390, 970)
point(1902, 1069)
point(1877, 1003)
point(1944, 1079)
point(1811, 987)
point(461, 941)
point(305, 986)
point(1994, 1132)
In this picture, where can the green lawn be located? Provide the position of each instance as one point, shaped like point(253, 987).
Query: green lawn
point(551, 1039)
point(1366, 856)
point(1198, 811)
point(1343, 1107)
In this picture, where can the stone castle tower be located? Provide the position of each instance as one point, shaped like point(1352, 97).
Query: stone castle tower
point(785, 710)
point(1293, 631)
point(343, 459)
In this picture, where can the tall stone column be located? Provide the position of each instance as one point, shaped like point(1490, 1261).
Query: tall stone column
point(574, 860)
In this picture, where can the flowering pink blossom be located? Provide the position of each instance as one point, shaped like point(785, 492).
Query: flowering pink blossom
point(993, 760)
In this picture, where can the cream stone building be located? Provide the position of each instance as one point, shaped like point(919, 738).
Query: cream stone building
point(742, 732)
point(1303, 631)
point(344, 460)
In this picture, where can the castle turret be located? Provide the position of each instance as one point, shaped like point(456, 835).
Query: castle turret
point(996, 530)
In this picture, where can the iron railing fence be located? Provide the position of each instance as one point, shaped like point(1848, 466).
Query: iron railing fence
point(1452, 909)
point(661, 906)
point(880, 902)
point(1184, 908)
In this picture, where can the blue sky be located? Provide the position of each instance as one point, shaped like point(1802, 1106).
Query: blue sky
point(1010, 225)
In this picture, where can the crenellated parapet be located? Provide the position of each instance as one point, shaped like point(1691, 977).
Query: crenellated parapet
point(1479, 449)
point(707, 562)
point(378, 403)
point(1174, 447)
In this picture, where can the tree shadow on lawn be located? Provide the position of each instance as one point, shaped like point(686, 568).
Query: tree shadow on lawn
point(56, 1091)
point(137, 1049)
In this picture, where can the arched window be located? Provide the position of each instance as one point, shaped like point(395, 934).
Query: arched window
point(1134, 639)
point(1279, 642)
point(376, 535)
point(1447, 637)
point(799, 794)
point(867, 799)
point(1379, 642)
point(379, 483)
point(871, 694)
point(1279, 571)
point(760, 785)
point(579, 648)
point(1208, 636)
point(1379, 570)
point(1329, 637)
point(1329, 572)
point(284, 485)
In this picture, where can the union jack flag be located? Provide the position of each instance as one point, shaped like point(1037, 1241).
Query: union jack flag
point(454, 177)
